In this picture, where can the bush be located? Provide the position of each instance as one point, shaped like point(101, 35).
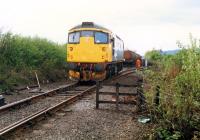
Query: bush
point(22, 56)
point(179, 79)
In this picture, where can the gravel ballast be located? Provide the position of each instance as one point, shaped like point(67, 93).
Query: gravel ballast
point(14, 115)
point(16, 96)
point(82, 120)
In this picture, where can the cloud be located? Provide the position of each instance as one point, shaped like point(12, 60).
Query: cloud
point(142, 25)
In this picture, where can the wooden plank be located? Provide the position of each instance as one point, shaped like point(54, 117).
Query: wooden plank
point(120, 94)
point(114, 102)
point(122, 85)
point(112, 89)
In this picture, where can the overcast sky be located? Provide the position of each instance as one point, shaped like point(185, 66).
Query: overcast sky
point(142, 24)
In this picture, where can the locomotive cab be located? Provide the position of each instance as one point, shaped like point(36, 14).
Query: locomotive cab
point(88, 46)
point(89, 52)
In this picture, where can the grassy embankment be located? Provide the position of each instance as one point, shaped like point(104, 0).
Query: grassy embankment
point(178, 76)
point(21, 57)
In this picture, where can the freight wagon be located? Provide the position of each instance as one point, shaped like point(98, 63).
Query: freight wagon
point(93, 52)
point(131, 58)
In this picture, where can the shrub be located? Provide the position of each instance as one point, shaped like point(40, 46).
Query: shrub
point(179, 79)
point(22, 56)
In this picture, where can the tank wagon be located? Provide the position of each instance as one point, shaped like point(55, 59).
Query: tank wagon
point(131, 58)
point(93, 52)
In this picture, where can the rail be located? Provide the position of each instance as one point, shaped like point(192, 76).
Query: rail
point(27, 100)
point(44, 112)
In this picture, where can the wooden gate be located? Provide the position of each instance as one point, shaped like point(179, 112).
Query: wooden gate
point(117, 90)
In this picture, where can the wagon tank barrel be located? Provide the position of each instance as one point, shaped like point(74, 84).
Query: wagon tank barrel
point(130, 55)
point(132, 59)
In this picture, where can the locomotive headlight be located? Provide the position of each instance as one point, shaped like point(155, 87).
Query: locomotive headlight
point(71, 48)
point(103, 49)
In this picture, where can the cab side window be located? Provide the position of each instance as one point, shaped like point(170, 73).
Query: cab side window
point(74, 37)
point(101, 37)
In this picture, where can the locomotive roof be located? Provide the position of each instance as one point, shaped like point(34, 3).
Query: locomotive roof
point(89, 25)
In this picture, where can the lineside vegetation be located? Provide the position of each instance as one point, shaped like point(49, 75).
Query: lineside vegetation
point(21, 57)
point(178, 76)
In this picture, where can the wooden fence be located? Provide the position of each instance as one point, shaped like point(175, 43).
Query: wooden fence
point(117, 90)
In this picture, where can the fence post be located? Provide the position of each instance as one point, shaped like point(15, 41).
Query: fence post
point(157, 96)
point(138, 101)
point(141, 98)
point(117, 96)
point(97, 94)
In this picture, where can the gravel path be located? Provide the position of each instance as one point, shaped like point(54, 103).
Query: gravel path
point(82, 121)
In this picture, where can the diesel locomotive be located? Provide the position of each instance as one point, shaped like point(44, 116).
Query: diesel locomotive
point(93, 52)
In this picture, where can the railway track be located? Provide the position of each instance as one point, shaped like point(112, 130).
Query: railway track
point(125, 72)
point(59, 97)
point(25, 101)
